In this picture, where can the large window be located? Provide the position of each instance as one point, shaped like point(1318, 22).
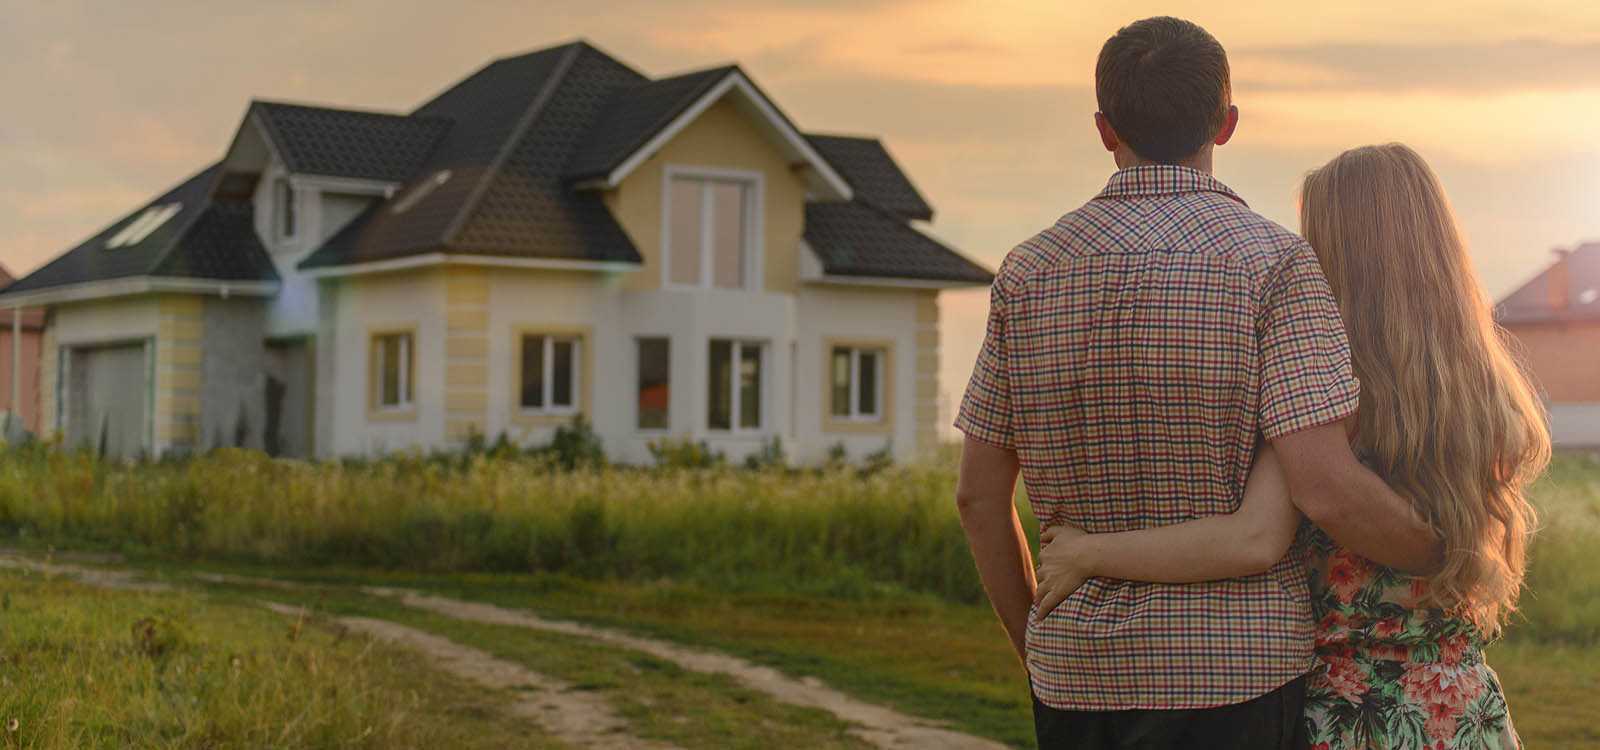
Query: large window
point(857, 383)
point(549, 374)
point(283, 208)
point(655, 383)
point(735, 385)
point(393, 365)
point(710, 231)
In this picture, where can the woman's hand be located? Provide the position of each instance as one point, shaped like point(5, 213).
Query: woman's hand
point(1063, 567)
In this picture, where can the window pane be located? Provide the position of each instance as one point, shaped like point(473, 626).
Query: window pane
point(750, 386)
point(840, 382)
point(683, 240)
point(655, 377)
point(720, 411)
point(867, 394)
point(727, 235)
point(389, 372)
point(533, 372)
point(563, 357)
point(286, 208)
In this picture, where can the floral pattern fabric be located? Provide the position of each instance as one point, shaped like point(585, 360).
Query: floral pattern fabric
point(1391, 672)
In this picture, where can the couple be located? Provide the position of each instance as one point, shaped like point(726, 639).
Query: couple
point(1180, 381)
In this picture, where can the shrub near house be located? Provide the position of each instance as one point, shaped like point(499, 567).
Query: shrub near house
point(556, 234)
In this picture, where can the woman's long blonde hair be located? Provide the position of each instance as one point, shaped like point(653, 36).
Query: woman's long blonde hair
point(1447, 415)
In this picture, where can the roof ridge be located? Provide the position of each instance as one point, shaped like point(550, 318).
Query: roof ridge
point(206, 201)
point(517, 132)
point(347, 110)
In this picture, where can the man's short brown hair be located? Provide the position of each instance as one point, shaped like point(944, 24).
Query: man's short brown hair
point(1163, 84)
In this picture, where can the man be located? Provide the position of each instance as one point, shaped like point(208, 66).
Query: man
point(1135, 352)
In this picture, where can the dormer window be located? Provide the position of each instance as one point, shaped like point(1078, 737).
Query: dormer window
point(140, 228)
point(283, 208)
point(712, 220)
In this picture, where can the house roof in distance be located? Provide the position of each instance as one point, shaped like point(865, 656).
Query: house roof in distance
point(501, 165)
point(182, 234)
point(1568, 290)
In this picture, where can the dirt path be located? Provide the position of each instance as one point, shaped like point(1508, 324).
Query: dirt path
point(883, 727)
point(576, 717)
point(572, 716)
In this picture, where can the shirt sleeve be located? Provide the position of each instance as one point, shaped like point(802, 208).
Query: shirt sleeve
point(1306, 375)
point(985, 413)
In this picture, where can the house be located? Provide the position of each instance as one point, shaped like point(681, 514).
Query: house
point(19, 396)
point(556, 234)
point(1555, 318)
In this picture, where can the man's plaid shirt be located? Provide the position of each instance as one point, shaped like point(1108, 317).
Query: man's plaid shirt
point(1135, 351)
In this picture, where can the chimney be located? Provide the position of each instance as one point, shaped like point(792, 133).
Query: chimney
point(1558, 284)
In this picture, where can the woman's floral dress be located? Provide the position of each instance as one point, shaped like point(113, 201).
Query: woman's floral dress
point(1390, 673)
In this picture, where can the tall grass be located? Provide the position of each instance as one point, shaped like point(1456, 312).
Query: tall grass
point(838, 532)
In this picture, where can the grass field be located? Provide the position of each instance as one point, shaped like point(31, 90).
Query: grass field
point(788, 569)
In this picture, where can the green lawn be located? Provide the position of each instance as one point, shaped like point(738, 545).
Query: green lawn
point(91, 668)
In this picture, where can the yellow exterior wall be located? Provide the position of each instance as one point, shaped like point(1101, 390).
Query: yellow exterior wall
point(723, 137)
point(178, 371)
point(466, 345)
point(927, 396)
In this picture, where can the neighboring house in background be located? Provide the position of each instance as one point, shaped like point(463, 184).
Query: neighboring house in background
point(557, 234)
point(27, 406)
point(1556, 319)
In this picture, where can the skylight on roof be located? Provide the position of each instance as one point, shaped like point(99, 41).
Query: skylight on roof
point(140, 228)
point(421, 191)
point(1589, 296)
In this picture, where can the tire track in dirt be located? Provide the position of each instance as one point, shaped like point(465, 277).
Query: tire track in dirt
point(575, 717)
point(881, 726)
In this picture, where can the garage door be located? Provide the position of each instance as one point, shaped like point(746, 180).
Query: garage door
point(107, 400)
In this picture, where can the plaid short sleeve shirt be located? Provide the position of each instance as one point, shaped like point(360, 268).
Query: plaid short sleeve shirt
point(1135, 351)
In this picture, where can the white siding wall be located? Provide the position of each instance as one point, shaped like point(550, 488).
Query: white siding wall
point(847, 313)
point(1574, 425)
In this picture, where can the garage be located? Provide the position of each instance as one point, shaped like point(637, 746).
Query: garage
point(106, 399)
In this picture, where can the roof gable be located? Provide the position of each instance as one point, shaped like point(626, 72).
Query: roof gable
point(644, 118)
point(349, 143)
point(860, 240)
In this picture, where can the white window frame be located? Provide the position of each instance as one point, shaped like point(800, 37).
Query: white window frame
point(754, 200)
point(855, 414)
point(407, 398)
point(638, 362)
point(763, 380)
point(549, 362)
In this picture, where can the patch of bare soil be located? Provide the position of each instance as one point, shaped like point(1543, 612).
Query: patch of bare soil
point(883, 727)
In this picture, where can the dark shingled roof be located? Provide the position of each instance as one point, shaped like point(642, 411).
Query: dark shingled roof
point(490, 166)
point(350, 143)
point(206, 239)
point(635, 115)
point(873, 174)
point(517, 123)
point(1574, 279)
point(853, 238)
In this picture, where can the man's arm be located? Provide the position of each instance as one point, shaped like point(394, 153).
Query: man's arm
point(1352, 504)
point(985, 495)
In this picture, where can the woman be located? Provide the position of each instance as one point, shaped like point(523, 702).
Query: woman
point(1446, 417)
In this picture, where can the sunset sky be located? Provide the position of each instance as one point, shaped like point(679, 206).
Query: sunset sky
point(987, 104)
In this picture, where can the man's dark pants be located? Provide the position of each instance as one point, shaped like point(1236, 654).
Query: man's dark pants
point(1268, 722)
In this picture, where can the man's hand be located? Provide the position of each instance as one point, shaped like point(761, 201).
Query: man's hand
point(1062, 567)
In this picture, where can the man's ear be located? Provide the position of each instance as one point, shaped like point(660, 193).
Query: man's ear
point(1228, 124)
point(1108, 135)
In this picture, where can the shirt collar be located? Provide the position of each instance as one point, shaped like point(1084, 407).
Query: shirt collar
point(1163, 179)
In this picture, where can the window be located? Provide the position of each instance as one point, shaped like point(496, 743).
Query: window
point(857, 383)
point(655, 381)
point(140, 228)
point(549, 374)
point(735, 385)
point(283, 208)
point(392, 358)
point(710, 232)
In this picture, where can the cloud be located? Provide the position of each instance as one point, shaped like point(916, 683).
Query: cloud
point(1450, 67)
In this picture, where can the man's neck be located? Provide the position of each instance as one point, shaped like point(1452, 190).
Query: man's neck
point(1200, 162)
